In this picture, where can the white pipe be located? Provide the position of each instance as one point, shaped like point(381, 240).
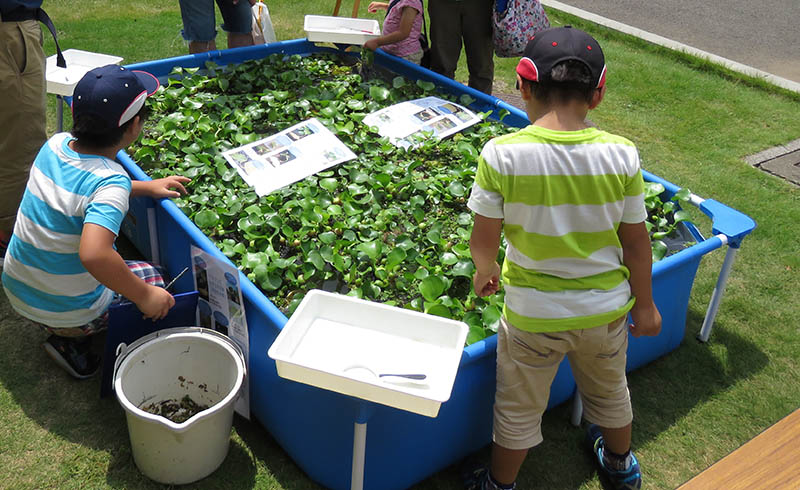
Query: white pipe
point(359, 454)
point(716, 296)
point(153, 231)
point(577, 409)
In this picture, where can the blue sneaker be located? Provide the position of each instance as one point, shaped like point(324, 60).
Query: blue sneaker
point(630, 479)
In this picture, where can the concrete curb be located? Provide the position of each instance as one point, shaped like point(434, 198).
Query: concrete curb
point(674, 45)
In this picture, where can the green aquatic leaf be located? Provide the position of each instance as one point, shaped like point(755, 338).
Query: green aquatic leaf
point(431, 288)
point(395, 257)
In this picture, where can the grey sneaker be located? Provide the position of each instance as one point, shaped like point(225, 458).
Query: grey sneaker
point(73, 356)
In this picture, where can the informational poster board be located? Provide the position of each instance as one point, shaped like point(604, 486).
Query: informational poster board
point(291, 155)
point(220, 307)
point(406, 123)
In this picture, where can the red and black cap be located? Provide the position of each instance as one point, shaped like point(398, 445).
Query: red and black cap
point(113, 94)
point(552, 46)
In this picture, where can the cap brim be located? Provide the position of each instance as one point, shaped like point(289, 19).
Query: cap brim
point(148, 81)
point(527, 69)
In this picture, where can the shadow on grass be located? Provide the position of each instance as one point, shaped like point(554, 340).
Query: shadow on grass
point(72, 410)
point(662, 392)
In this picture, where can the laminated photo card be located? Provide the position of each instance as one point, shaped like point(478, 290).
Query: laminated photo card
point(291, 155)
point(408, 123)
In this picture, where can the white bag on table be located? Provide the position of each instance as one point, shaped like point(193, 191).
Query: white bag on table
point(262, 25)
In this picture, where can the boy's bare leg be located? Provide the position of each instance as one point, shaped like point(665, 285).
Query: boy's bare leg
point(202, 46)
point(237, 40)
point(506, 463)
point(618, 441)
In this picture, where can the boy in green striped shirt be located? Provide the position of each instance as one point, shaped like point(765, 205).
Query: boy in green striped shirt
point(570, 201)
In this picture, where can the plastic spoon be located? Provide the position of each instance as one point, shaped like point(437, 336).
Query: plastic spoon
point(408, 376)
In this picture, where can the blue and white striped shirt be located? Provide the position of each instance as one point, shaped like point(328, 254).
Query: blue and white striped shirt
point(43, 277)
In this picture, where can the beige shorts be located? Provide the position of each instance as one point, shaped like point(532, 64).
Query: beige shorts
point(527, 363)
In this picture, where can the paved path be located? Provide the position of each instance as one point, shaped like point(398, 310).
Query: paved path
point(762, 35)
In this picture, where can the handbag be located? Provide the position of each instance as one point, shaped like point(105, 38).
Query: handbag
point(262, 30)
point(515, 22)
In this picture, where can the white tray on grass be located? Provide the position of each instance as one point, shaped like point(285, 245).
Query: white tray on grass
point(62, 81)
point(344, 30)
point(342, 344)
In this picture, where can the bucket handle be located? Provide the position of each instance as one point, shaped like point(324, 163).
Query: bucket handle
point(123, 349)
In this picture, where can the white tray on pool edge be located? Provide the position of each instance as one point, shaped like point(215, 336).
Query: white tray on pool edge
point(345, 30)
point(62, 81)
point(342, 344)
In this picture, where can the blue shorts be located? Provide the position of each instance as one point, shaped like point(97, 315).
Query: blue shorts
point(199, 19)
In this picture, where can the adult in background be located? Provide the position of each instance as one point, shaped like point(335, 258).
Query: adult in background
point(22, 105)
point(470, 21)
point(199, 23)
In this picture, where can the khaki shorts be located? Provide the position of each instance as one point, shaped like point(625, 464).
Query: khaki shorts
point(527, 363)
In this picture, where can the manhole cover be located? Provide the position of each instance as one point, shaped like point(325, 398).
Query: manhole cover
point(783, 161)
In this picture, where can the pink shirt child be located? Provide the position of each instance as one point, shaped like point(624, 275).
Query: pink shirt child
point(409, 45)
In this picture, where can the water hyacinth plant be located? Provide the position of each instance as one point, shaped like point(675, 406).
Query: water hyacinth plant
point(390, 226)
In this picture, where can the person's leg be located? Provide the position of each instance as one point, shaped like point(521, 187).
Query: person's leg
point(526, 365)
point(237, 22)
point(22, 114)
point(446, 27)
point(147, 272)
point(199, 28)
point(599, 369)
point(478, 44)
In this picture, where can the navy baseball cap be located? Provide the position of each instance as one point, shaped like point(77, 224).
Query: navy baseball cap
point(550, 47)
point(113, 93)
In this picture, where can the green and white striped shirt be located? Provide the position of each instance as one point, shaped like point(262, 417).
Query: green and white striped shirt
point(562, 196)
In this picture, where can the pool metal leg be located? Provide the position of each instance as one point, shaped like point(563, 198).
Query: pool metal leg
point(716, 296)
point(577, 410)
point(359, 452)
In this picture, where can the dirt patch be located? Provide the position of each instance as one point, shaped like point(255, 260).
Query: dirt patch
point(177, 411)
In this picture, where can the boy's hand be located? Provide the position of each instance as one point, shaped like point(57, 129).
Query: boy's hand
point(486, 284)
point(164, 187)
point(646, 320)
point(156, 303)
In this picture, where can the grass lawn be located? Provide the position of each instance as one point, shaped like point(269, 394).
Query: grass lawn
point(693, 123)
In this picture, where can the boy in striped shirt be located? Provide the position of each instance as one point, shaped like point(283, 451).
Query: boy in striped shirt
point(569, 199)
point(61, 270)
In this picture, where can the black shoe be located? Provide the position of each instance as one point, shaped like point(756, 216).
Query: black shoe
point(73, 356)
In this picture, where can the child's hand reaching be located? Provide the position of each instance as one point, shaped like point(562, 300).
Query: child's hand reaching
point(486, 284)
point(171, 187)
point(375, 6)
point(156, 303)
point(372, 44)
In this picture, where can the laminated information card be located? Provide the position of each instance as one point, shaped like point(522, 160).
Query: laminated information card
point(407, 123)
point(291, 155)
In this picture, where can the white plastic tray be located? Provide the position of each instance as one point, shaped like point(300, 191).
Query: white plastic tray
point(341, 343)
point(62, 81)
point(345, 30)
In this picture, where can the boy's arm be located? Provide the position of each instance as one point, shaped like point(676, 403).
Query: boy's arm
point(97, 254)
point(484, 245)
point(160, 187)
point(638, 258)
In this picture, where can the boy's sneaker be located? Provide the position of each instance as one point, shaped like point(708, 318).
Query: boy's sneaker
point(630, 479)
point(476, 477)
point(73, 356)
point(474, 474)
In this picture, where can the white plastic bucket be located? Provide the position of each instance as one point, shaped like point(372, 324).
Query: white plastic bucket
point(169, 364)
